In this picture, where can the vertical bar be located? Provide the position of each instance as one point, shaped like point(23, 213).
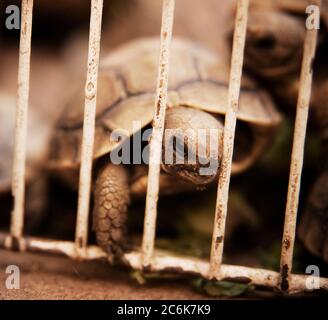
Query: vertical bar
point(155, 148)
point(19, 163)
point(81, 235)
point(296, 165)
point(229, 136)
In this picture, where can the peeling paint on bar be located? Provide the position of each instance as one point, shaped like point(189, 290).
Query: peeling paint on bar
point(82, 221)
point(296, 165)
point(229, 136)
point(19, 164)
point(163, 261)
point(155, 148)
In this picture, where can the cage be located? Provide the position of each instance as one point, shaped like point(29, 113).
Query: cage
point(147, 257)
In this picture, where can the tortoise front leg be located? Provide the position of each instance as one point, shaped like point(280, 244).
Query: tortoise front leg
point(111, 200)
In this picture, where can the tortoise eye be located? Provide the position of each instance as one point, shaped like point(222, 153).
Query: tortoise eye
point(266, 42)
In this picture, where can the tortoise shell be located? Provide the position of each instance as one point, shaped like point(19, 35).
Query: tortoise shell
point(126, 93)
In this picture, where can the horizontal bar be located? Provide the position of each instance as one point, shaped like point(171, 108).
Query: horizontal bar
point(162, 261)
point(255, 276)
point(155, 147)
point(229, 137)
point(297, 156)
point(66, 248)
point(19, 163)
point(82, 220)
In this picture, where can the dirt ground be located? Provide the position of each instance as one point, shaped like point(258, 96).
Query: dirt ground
point(53, 277)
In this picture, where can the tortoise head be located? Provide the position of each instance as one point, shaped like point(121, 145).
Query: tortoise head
point(192, 145)
point(274, 43)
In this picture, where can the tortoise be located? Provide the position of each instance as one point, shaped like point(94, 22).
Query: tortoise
point(277, 28)
point(273, 53)
point(197, 99)
point(36, 155)
point(275, 39)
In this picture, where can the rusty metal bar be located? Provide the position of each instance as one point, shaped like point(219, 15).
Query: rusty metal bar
point(163, 262)
point(155, 150)
point(81, 235)
point(19, 164)
point(229, 136)
point(301, 120)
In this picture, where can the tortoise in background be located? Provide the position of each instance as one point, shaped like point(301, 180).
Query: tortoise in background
point(37, 140)
point(273, 53)
point(197, 99)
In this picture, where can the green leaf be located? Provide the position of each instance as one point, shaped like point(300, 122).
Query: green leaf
point(138, 276)
point(221, 288)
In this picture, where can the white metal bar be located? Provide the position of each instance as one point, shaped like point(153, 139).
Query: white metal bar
point(18, 183)
point(261, 277)
point(67, 248)
point(162, 261)
point(155, 150)
point(81, 235)
point(229, 136)
point(302, 112)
